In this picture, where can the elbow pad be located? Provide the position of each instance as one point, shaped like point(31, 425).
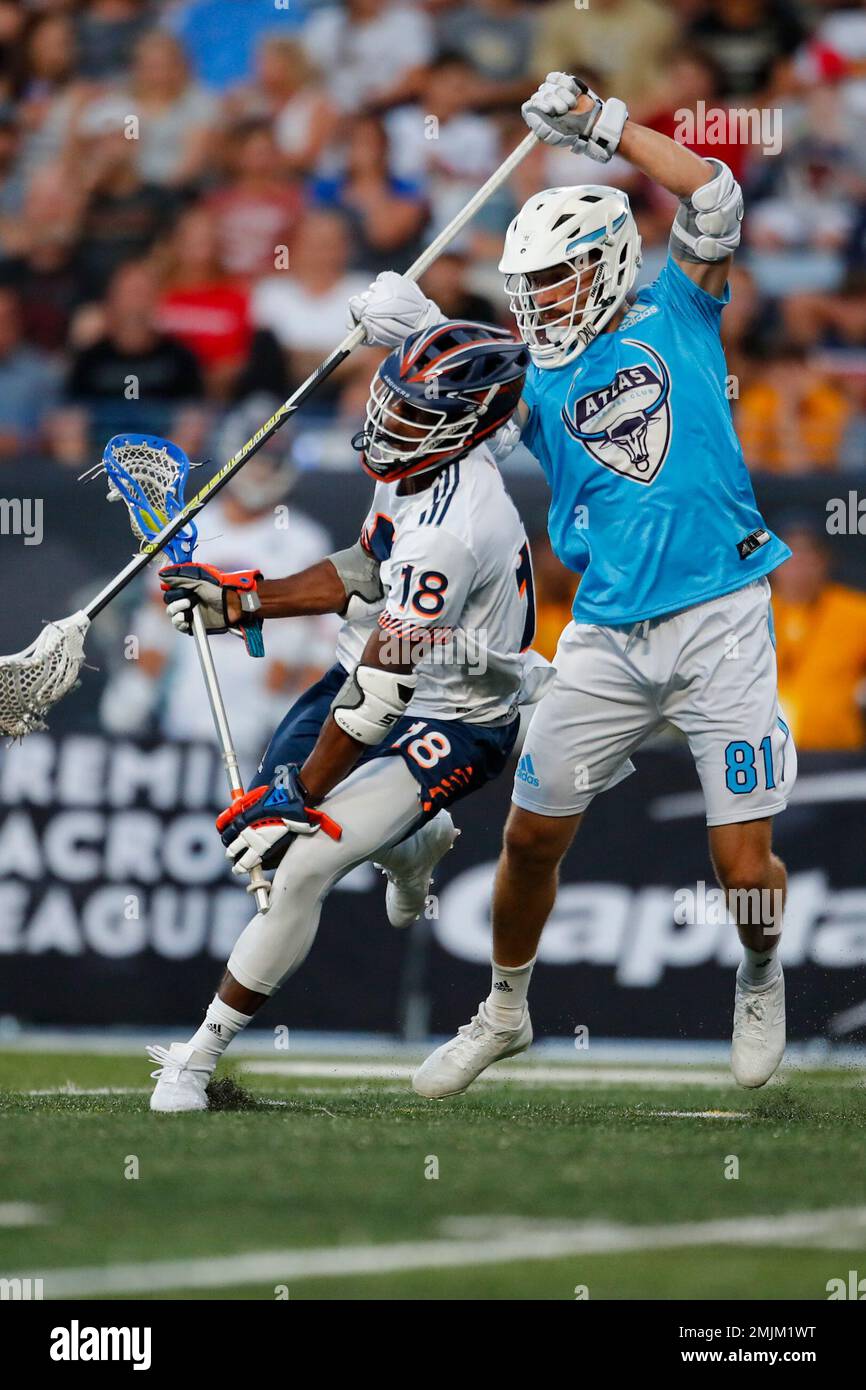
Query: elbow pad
point(371, 702)
point(360, 577)
point(707, 226)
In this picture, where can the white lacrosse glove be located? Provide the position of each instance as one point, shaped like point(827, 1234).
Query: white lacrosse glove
point(391, 309)
point(550, 114)
point(505, 440)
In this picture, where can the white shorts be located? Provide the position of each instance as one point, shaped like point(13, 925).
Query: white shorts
point(710, 671)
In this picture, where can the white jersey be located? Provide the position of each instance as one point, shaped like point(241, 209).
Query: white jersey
point(457, 574)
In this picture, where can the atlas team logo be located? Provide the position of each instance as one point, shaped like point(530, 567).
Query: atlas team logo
point(625, 425)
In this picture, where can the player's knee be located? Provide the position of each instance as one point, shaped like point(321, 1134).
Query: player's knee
point(305, 868)
point(533, 844)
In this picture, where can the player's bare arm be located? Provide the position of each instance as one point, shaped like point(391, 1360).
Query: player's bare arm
point(315, 590)
point(345, 583)
point(708, 194)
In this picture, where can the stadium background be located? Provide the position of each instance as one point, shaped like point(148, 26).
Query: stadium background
point(180, 272)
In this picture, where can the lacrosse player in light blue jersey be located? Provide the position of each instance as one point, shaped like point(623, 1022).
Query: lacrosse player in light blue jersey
point(626, 409)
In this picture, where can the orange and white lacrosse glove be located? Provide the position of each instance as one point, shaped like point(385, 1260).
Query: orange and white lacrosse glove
point(191, 585)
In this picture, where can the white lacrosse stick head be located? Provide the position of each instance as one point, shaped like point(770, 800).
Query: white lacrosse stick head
point(32, 681)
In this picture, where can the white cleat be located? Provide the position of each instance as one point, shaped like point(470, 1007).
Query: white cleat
point(179, 1087)
point(455, 1065)
point(410, 865)
point(758, 1043)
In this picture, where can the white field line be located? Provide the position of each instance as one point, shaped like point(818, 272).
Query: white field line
point(543, 1242)
point(70, 1089)
point(15, 1214)
point(701, 1114)
point(575, 1075)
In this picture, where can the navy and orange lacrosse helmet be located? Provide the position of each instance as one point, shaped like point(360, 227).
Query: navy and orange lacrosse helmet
point(440, 393)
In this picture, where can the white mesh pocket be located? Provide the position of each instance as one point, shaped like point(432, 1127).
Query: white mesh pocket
point(35, 679)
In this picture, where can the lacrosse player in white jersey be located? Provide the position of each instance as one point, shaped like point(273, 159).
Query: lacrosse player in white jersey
point(421, 707)
point(625, 408)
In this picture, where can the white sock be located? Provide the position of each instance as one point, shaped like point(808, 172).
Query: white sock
point(221, 1023)
point(760, 968)
point(507, 998)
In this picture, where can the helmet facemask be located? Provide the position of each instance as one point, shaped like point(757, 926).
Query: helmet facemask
point(401, 436)
point(574, 296)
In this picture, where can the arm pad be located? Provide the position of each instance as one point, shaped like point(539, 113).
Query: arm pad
point(707, 226)
point(371, 702)
point(360, 577)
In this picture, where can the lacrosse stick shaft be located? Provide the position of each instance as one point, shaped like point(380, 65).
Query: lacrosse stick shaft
point(221, 724)
point(305, 390)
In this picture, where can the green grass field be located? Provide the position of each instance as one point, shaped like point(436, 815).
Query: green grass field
point(321, 1189)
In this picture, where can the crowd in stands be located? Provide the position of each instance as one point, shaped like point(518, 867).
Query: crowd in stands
point(190, 190)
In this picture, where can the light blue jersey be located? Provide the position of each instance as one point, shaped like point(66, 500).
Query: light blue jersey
point(651, 499)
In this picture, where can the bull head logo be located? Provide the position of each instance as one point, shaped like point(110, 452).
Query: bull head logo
point(630, 434)
point(613, 422)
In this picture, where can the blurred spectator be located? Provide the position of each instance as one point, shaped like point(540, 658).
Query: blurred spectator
point(67, 439)
point(123, 215)
point(495, 38)
point(385, 214)
point(555, 587)
point(11, 178)
point(201, 306)
point(369, 51)
point(625, 41)
point(221, 35)
point(820, 646)
point(446, 283)
point(247, 525)
point(749, 40)
point(176, 115)
point(107, 33)
point(256, 210)
point(39, 259)
point(439, 139)
point(791, 418)
point(305, 306)
point(12, 22)
point(287, 91)
point(743, 324)
point(828, 320)
point(327, 443)
point(29, 383)
point(801, 219)
point(52, 93)
point(130, 374)
point(852, 454)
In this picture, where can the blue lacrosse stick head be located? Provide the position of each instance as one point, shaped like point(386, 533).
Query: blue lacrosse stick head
point(150, 474)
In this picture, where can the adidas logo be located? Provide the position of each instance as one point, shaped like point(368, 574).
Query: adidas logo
point(526, 772)
point(278, 797)
point(503, 987)
point(214, 1028)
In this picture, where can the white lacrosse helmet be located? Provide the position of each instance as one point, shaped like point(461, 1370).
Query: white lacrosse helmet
point(588, 233)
